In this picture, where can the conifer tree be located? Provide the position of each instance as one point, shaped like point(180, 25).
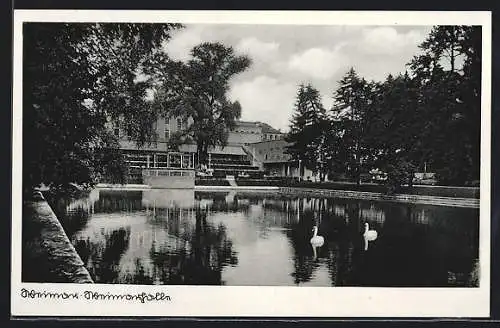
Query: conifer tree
point(308, 130)
point(351, 105)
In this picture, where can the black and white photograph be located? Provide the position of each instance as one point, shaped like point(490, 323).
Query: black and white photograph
point(290, 160)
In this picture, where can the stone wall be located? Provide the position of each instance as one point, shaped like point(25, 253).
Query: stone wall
point(404, 198)
point(171, 179)
point(47, 254)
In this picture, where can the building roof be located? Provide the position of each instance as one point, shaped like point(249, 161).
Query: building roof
point(247, 123)
point(228, 150)
point(270, 142)
point(266, 128)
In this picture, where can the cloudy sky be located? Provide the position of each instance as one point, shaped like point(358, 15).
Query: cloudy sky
point(285, 56)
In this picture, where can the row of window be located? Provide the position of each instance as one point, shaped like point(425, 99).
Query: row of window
point(272, 137)
point(271, 149)
point(243, 131)
point(276, 157)
point(181, 125)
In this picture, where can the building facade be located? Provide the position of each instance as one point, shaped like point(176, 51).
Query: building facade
point(271, 156)
point(233, 159)
point(252, 147)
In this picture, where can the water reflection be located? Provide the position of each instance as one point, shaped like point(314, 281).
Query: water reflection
point(201, 238)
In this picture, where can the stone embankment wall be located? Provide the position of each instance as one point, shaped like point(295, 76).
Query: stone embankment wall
point(168, 178)
point(48, 255)
point(418, 199)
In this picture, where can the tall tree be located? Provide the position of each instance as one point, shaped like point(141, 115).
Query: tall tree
point(197, 91)
point(308, 128)
point(448, 75)
point(75, 78)
point(393, 131)
point(352, 101)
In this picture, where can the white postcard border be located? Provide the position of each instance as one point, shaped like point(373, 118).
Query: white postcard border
point(223, 301)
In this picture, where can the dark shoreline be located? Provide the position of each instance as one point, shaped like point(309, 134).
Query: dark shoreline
point(422, 190)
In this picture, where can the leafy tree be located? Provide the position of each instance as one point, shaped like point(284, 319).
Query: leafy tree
point(197, 91)
point(76, 77)
point(393, 134)
point(308, 130)
point(448, 75)
point(428, 117)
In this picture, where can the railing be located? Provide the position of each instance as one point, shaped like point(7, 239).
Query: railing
point(175, 160)
point(234, 167)
point(168, 173)
point(231, 162)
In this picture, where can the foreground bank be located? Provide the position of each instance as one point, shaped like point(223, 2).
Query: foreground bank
point(48, 254)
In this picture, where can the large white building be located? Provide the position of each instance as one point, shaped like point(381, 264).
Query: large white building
point(233, 159)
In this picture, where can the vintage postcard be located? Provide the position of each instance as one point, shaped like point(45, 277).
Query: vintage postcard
point(251, 164)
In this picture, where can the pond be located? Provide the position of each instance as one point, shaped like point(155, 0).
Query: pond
point(183, 237)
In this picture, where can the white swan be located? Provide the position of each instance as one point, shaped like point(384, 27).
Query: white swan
point(369, 235)
point(317, 241)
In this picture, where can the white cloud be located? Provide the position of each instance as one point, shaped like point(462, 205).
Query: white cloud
point(265, 99)
point(378, 51)
point(286, 55)
point(387, 40)
point(327, 100)
point(180, 45)
point(257, 49)
point(319, 63)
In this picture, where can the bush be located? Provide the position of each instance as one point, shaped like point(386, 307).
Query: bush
point(399, 173)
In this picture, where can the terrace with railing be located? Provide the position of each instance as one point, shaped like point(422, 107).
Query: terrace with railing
point(158, 164)
point(226, 164)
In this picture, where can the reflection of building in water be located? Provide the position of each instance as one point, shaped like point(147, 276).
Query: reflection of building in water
point(372, 214)
point(287, 210)
point(255, 210)
point(118, 200)
point(272, 214)
point(314, 204)
point(205, 203)
point(86, 203)
point(420, 217)
point(339, 210)
point(307, 204)
point(165, 198)
point(292, 210)
point(230, 196)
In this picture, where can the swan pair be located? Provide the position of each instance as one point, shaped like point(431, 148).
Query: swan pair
point(318, 241)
